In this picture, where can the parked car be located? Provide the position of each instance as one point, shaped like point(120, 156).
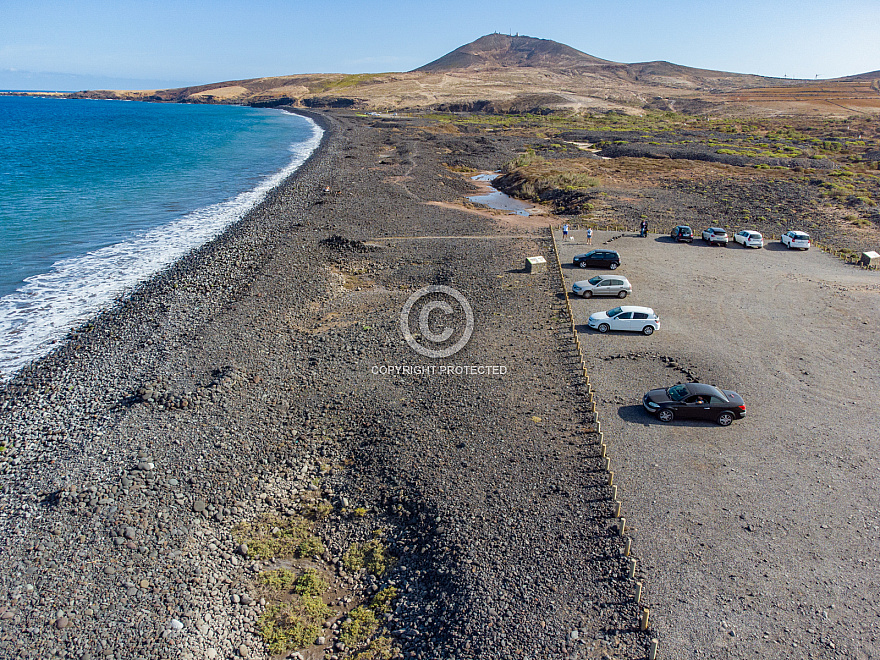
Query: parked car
point(602, 258)
point(603, 285)
point(715, 235)
point(796, 240)
point(628, 317)
point(695, 401)
point(749, 238)
point(682, 234)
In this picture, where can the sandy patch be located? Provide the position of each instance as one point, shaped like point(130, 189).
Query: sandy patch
point(223, 92)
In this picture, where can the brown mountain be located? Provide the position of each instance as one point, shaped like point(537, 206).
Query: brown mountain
point(500, 50)
point(503, 73)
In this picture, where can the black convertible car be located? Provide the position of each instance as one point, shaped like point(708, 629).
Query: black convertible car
point(695, 401)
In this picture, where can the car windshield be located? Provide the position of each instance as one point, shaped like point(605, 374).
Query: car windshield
point(677, 392)
point(611, 313)
point(595, 280)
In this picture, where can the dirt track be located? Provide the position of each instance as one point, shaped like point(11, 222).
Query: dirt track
point(758, 540)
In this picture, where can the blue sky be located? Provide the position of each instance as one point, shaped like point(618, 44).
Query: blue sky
point(89, 44)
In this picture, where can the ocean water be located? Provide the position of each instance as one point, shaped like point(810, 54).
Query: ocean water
point(97, 196)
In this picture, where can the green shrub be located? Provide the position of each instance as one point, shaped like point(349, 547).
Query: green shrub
point(382, 600)
point(289, 626)
point(310, 583)
point(310, 546)
point(280, 579)
point(378, 649)
point(372, 555)
point(358, 627)
point(273, 536)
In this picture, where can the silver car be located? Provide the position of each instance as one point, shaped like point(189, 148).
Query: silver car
point(603, 285)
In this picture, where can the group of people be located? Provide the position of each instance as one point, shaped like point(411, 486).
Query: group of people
point(643, 231)
point(566, 237)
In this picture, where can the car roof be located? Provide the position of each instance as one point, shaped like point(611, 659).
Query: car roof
point(701, 388)
point(635, 308)
point(795, 232)
point(715, 229)
point(606, 277)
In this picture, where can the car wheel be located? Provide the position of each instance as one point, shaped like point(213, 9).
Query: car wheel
point(622, 294)
point(648, 330)
point(587, 294)
point(725, 418)
point(583, 264)
point(603, 327)
point(666, 415)
point(613, 265)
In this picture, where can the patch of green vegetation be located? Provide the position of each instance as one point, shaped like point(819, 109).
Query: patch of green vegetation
point(310, 583)
point(360, 625)
point(310, 546)
point(344, 82)
point(285, 627)
point(462, 169)
point(372, 555)
point(378, 649)
point(317, 510)
point(382, 600)
point(522, 160)
point(280, 579)
point(360, 511)
point(273, 536)
point(862, 223)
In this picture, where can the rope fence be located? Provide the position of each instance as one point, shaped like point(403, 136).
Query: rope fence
point(617, 505)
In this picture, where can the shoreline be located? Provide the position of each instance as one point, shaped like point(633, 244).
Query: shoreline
point(158, 282)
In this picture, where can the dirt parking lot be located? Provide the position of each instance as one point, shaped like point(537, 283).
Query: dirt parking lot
point(759, 540)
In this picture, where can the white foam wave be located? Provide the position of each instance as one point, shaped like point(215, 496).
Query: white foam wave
point(49, 305)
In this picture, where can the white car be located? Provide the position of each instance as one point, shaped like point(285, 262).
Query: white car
point(796, 240)
point(715, 235)
point(627, 317)
point(749, 238)
point(603, 285)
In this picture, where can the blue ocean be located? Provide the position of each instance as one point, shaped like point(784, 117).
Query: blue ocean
point(97, 196)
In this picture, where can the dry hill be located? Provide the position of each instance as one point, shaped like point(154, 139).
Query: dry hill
point(504, 73)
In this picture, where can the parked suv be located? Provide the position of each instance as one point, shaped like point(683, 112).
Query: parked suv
point(602, 258)
point(715, 235)
point(682, 234)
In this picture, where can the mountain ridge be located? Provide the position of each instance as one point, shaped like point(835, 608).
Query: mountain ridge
point(504, 73)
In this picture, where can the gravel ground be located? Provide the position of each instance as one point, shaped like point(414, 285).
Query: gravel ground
point(245, 385)
point(759, 539)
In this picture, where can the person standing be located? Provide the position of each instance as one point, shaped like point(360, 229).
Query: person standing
point(565, 231)
point(590, 236)
point(643, 228)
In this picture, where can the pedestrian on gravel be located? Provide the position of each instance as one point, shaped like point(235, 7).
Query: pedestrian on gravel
point(590, 236)
point(565, 231)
